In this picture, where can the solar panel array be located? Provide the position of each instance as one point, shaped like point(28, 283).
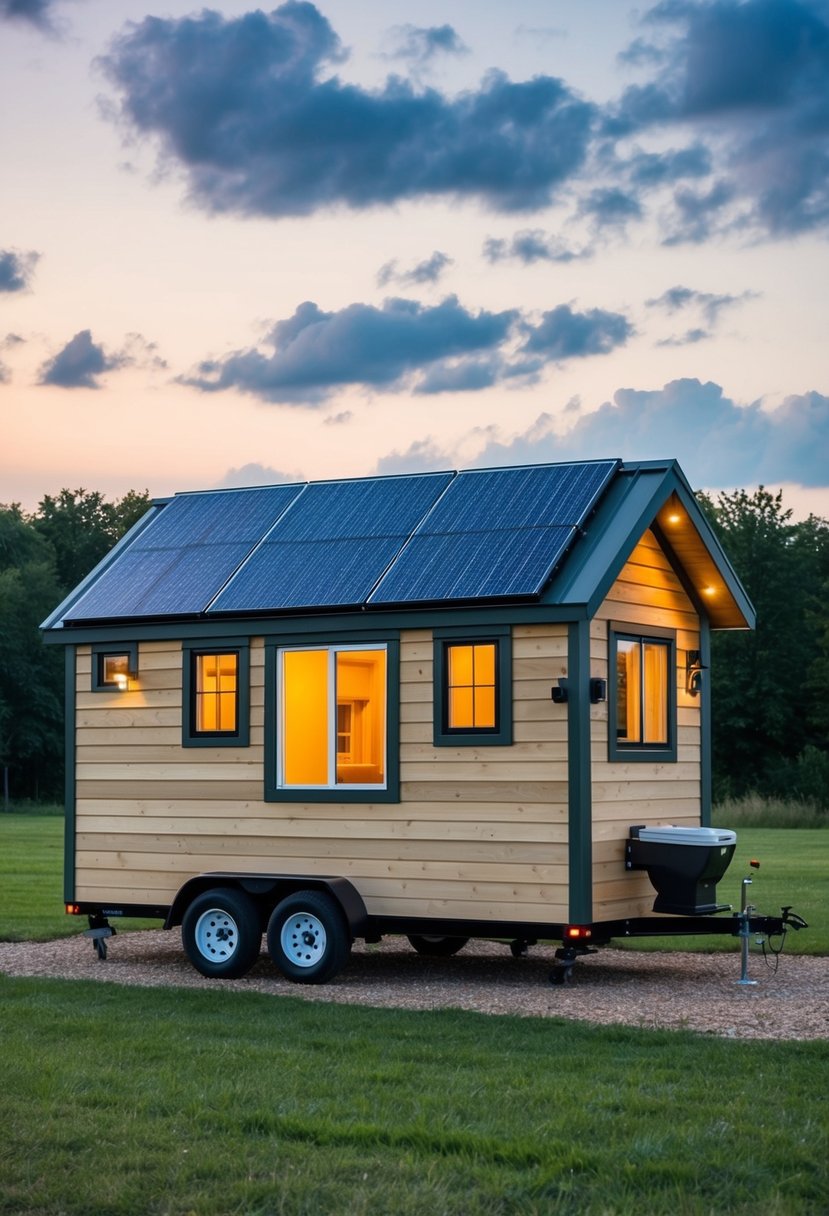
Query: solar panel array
point(422, 538)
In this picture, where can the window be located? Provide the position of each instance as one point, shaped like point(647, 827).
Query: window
point(642, 695)
point(332, 717)
point(473, 694)
point(114, 666)
point(216, 695)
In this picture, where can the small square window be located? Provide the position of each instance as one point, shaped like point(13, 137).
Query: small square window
point(473, 689)
point(642, 718)
point(114, 667)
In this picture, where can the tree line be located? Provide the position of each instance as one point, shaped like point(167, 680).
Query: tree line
point(770, 687)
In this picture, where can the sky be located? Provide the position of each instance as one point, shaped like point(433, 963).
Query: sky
point(243, 246)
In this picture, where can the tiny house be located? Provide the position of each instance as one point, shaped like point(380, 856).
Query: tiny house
point(441, 705)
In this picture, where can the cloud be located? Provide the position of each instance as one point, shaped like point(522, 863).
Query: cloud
point(36, 12)
point(531, 245)
point(708, 305)
point(256, 475)
point(16, 269)
point(422, 44)
point(80, 363)
point(422, 456)
point(428, 271)
point(610, 207)
point(718, 442)
point(248, 109)
point(565, 334)
point(751, 79)
point(313, 353)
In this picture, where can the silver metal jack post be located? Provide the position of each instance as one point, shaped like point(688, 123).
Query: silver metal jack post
point(745, 932)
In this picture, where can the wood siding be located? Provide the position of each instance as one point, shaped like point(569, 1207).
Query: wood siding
point(479, 832)
point(647, 594)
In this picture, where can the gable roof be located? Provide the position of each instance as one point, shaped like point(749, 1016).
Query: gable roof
point(550, 533)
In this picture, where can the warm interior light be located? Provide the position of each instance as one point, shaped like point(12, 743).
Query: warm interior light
point(674, 517)
point(709, 591)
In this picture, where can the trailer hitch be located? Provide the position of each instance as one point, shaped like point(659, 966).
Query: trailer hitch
point(792, 919)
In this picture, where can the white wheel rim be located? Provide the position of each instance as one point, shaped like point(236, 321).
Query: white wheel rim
point(217, 936)
point(303, 939)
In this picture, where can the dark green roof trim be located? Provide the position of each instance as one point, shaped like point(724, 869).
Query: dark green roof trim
point(706, 756)
point(579, 782)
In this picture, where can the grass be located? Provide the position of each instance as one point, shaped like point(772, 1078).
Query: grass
point(178, 1102)
point(755, 811)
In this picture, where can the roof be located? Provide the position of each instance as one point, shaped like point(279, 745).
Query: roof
point(547, 533)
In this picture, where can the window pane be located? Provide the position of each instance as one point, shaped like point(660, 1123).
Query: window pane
point(115, 669)
point(305, 717)
point(461, 708)
point(471, 697)
point(361, 717)
point(656, 692)
point(216, 688)
point(628, 691)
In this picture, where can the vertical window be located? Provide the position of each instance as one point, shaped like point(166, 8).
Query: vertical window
point(643, 694)
point(216, 688)
point(470, 686)
point(473, 688)
point(216, 697)
point(333, 719)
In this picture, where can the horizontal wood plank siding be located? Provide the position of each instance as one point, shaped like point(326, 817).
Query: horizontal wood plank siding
point(648, 593)
point(479, 833)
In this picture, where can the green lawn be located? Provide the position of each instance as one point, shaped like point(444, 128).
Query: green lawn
point(120, 1101)
point(178, 1102)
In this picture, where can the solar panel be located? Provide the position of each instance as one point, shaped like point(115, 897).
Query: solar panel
point(178, 563)
point(333, 545)
point(495, 533)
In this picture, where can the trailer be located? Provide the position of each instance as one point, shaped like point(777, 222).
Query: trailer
point(442, 705)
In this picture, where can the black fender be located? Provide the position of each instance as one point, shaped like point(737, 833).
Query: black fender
point(267, 890)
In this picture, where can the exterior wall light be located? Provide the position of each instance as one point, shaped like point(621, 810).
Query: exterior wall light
point(114, 668)
point(693, 673)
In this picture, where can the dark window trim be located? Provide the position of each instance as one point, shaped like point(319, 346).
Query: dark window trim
point(641, 752)
point(501, 734)
point(240, 737)
point(340, 793)
point(101, 650)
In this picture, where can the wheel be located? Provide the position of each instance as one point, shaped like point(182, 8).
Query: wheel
point(308, 938)
point(221, 933)
point(440, 947)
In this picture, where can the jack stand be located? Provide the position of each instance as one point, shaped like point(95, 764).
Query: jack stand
point(566, 957)
point(746, 910)
point(99, 930)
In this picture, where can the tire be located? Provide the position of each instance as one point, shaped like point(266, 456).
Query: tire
point(221, 933)
point(438, 947)
point(308, 937)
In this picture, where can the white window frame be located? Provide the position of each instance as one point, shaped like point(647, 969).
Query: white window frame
point(332, 651)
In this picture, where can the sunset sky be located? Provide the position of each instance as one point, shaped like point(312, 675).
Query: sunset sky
point(244, 246)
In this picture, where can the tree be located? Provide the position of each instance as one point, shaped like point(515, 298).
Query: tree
point(82, 527)
point(31, 674)
point(765, 726)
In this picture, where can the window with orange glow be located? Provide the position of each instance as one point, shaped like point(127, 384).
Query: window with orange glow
point(643, 703)
point(471, 702)
point(216, 693)
point(333, 717)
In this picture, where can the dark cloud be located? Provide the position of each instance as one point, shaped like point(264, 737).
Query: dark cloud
point(422, 44)
point(689, 338)
point(719, 443)
point(710, 304)
point(36, 12)
point(751, 77)
point(610, 207)
point(16, 269)
point(531, 245)
point(428, 271)
point(648, 170)
point(313, 353)
point(565, 334)
point(80, 363)
point(243, 105)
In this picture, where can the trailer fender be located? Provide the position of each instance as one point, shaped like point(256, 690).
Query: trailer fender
point(268, 890)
